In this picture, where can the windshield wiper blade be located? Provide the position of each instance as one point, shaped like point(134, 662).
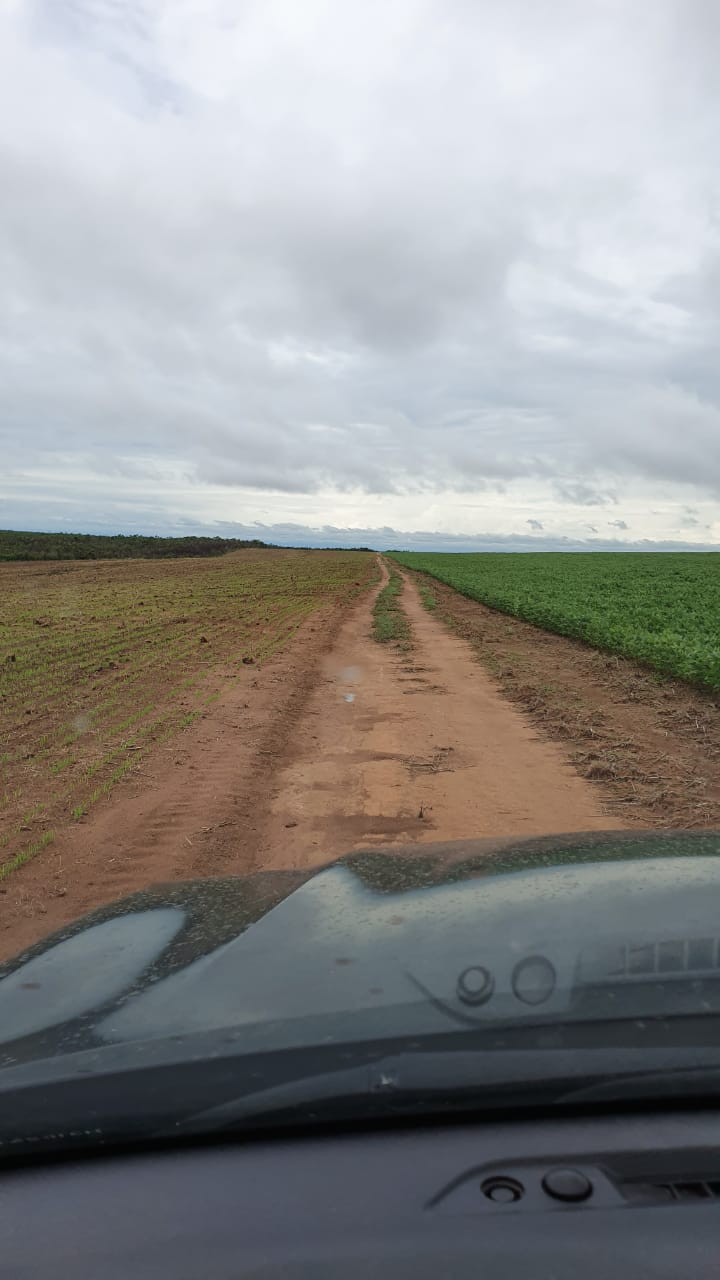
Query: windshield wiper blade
point(387, 1086)
point(441, 1083)
point(406, 1083)
point(674, 1083)
point(96, 1102)
point(309, 1092)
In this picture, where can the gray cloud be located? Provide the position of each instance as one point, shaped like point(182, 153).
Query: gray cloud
point(535, 524)
point(253, 247)
point(584, 495)
point(618, 524)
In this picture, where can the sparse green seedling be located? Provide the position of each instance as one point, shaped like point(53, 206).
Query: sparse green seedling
point(390, 623)
point(26, 854)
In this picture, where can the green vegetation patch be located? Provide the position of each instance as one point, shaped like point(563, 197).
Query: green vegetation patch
point(660, 608)
point(90, 546)
point(390, 624)
point(427, 599)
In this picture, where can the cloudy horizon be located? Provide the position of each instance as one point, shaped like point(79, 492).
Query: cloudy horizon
point(380, 268)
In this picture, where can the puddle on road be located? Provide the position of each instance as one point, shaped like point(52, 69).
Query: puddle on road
point(348, 676)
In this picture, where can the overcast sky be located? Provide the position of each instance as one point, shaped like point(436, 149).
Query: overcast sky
point(398, 265)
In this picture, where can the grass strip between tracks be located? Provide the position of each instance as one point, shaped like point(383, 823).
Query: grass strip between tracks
point(390, 623)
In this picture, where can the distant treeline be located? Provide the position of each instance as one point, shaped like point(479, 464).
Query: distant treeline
point(95, 546)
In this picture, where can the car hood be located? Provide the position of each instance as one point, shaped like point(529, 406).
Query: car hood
point(468, 933)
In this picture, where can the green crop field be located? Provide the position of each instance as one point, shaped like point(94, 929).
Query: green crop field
point(663, 609)
point(101, 662)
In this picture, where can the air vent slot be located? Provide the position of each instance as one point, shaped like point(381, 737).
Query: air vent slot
point(660, 959)
point(684, 1191)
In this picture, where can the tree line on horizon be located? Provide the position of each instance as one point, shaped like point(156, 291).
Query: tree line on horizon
point(17, 545)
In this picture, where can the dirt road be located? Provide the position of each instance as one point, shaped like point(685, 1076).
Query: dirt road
point(336, 743)
point(397, 747)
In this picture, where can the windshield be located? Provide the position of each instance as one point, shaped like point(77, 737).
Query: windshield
point(359, 609)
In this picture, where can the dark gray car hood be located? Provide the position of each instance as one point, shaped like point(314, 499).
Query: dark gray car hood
point(401, 937)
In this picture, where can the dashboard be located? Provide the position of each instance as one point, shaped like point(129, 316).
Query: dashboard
point(624, 1195)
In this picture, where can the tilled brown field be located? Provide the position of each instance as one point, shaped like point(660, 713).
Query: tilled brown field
point(102, 663)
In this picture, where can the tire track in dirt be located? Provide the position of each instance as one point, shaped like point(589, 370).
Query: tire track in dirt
point(400, 747)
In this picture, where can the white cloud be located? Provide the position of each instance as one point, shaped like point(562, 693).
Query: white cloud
point(353, 263)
